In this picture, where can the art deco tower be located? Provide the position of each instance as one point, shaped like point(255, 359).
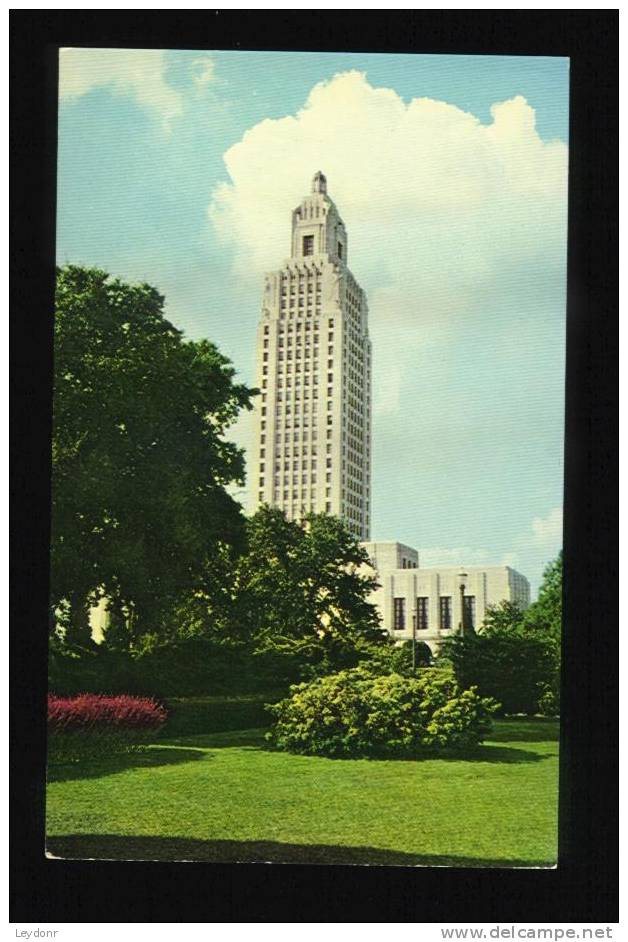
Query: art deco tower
point(314, 372)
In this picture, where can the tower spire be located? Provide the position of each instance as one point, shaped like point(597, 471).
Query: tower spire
point(319, 182)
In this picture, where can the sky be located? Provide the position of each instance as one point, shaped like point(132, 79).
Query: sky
point(182, 168)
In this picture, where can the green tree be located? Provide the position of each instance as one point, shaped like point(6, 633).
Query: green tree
point(504, 618)
point(516, 656)
point(139, 462)
point(301, 589)
point(547, 612)
point(513, 669)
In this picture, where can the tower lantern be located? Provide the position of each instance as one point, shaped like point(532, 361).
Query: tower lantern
point(319, 183)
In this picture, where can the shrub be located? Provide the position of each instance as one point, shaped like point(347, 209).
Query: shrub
point(513, 669)
point(91, 723)
point(549, 701)
point(390, 658)
point(356, 713)
point(187, 668)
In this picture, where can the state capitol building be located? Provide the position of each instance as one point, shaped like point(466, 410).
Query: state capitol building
point(313, 450)
point(314, 372)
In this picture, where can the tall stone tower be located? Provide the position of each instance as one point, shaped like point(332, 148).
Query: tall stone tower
point(314, 372)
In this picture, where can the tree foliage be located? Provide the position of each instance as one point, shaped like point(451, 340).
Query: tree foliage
point(504, 618)
point(139, 461)
point(390, 657)
point(546, 613)
point(301, 587)
point(514, 670)
point(515, 658)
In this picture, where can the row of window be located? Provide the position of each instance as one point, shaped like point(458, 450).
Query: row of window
point(300, 353)
point(290, 282)
point(302, 308)
point(299, 340)
point(286, 379)
point(422, 613)
point(297, 369)
point(307, 210)
point(297, 509)
point(296, 326)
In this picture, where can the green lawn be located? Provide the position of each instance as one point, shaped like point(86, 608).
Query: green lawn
point(224, 796)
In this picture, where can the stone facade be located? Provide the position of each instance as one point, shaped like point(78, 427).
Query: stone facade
point(314, 372)
point(432, 597)
point(386, 556)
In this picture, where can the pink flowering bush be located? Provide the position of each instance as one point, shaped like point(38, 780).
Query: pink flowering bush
point(91, 723)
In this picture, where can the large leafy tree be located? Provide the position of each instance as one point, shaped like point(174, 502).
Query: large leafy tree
point(303, 588)
point(139, 462)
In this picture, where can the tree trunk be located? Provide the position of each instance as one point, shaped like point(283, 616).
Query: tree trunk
point(78, 630)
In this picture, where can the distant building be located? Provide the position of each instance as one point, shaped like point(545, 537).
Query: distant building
point(314, 372)
point(388, 555)
point(431, 598)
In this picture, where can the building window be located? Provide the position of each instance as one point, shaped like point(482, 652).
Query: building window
point(308, 245)
point(399, 614)
point(469, 613)
point(445, 612)
point(422, 613)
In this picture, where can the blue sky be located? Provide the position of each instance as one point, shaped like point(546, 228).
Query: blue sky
point(182, 169)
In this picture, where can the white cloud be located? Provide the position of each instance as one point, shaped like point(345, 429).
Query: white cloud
point(441, 210)
point(537, 546)
point(548, 531)
point(138, 73)
point(458, 556)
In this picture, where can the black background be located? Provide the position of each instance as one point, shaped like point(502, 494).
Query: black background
point(584, 886)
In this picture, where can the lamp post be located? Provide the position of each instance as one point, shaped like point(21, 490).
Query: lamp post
point(462, 576)
point(414, 616)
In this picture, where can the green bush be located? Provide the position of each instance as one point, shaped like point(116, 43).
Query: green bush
point(514, 669)
point(549, 701)
point(188, 668)
point(189, 716)
point(356, 713)
point(387, 657)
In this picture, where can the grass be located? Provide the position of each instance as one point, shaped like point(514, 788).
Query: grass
point(222, 795)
